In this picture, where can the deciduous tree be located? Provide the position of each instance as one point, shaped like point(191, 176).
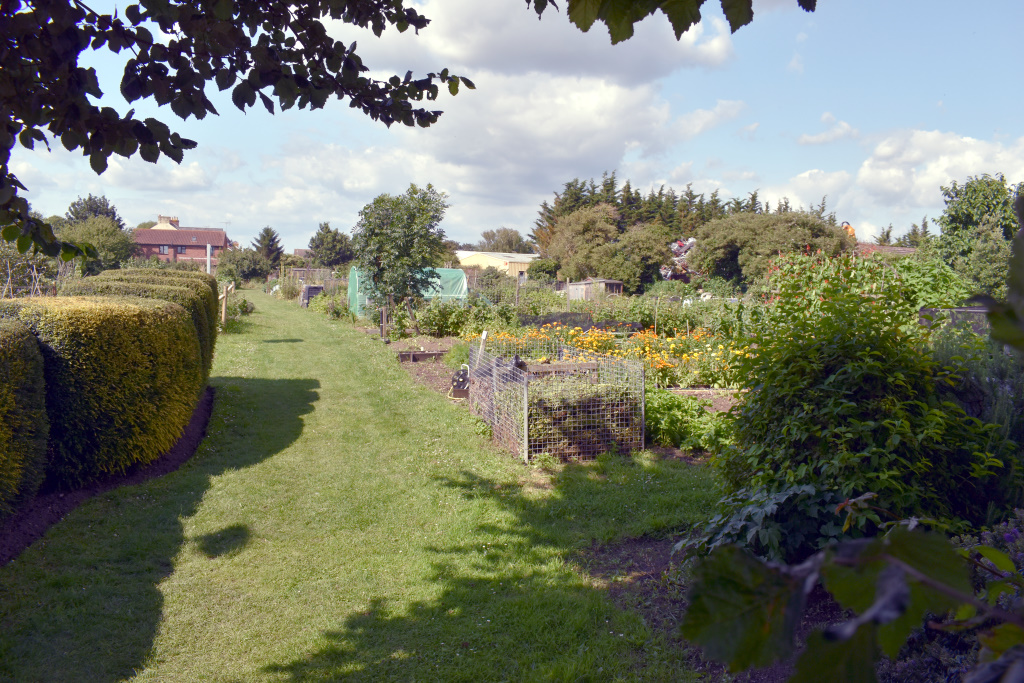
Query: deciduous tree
point(397, 238)
point(113, 245)
point(83, 209)
point(505, 240)
point(330, 248)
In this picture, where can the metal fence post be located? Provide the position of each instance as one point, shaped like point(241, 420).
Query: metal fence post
point(526, 417)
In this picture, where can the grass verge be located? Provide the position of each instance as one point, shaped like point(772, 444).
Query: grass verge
point(340, 522)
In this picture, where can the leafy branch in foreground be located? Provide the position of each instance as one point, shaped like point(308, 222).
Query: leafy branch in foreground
point(620, 17)
point(745, 611)
point(266, 51)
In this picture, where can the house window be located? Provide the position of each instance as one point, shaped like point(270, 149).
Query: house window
point(163, 249)
point(181, 250)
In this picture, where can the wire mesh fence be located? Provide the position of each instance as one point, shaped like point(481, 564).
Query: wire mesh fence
point(545, 397)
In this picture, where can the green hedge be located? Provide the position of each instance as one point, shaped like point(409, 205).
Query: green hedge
point(23, 423)
point(184, 296)
point(203, 284)
point(122, 376)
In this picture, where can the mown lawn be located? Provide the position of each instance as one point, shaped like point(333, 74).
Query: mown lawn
point(340, 522)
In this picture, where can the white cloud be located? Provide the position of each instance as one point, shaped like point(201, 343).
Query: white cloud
point(796, 64)
point(840, 131)
point(702, 120)
point(749, 132)
point(908, 167)
point(475, 39)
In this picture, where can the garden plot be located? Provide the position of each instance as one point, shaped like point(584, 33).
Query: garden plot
point(571, 405)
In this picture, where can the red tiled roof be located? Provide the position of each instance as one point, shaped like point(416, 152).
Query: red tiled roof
point(183, 237)
point(865, 248)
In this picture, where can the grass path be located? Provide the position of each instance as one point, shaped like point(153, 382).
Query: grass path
point(340, 522)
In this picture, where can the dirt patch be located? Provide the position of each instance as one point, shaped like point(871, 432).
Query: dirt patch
point(641, 575)
point(33, 520)
point(721, 399)
point(433, 374)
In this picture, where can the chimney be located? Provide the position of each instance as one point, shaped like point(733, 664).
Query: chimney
point(168, 220)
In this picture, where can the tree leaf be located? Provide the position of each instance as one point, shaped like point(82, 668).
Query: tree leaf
point(267, 103)
point(741, 611)
point(1000, 559)
point(243, 95)
point(847, 661)
point(224, 78)
point(98, 161)
point(224, 10)
point(738, 12)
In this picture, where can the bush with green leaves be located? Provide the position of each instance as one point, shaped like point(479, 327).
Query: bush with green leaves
point(122, 379)
point(684, 422)
point(844, 394)
point(784, 524)
point(332, 305)
point(930, 283)
point(443, 318)
point(989, 381)
point(24, 425)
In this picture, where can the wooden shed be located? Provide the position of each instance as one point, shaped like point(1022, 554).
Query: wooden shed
point(591, 288)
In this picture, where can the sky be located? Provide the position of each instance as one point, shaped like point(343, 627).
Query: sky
point(874, 104)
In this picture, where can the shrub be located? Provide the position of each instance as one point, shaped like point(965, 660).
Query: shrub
point(289, 289)
point(330, 305)
point(185, 297)
point(786, 524)
point(443, 318)
point(684, 422)
point(989, 382)
point(122, 377)
point(843, 394)
point(24, 426)
point(201, 283)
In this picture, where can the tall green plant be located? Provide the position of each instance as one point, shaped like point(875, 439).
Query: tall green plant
point(842, 393)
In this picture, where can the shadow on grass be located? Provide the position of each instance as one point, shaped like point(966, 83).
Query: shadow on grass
point(228, 541)
point(83, 603)
point(510, 607)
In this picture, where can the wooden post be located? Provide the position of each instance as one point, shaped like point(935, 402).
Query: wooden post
point(567, 295)
point(224, 307)
point(517, 291)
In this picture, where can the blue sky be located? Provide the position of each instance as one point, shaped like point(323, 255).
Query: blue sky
point(874, 103)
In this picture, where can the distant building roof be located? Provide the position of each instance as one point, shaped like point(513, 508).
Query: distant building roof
point(301, 253)
point(182, 237)
point(499, 255)
point(867, 248)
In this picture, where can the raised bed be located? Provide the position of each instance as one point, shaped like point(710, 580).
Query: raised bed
point(419, 356)
point(574, 408)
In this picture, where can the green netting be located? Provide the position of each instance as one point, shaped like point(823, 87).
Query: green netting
point(449, 284)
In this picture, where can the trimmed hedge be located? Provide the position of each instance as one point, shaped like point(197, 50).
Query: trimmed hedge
point(122, 376)
point(201, 283)
point(184, 296)
point(24, 427)
point(209, 280)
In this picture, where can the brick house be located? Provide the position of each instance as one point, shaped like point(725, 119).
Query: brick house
point(169, 242)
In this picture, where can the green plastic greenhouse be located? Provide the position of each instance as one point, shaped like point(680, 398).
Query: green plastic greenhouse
point(449, 285)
